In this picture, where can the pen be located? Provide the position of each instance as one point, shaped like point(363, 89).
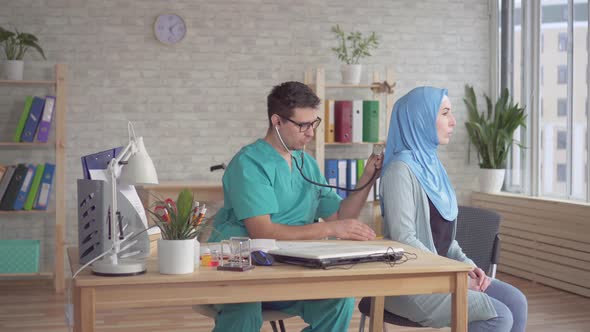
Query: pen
point(195, 211)
point(201, 214)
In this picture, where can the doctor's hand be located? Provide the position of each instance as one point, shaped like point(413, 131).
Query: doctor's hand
point(373, 165)
point(351, 229)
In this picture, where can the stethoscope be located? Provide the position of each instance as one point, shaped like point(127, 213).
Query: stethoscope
point(300, 168)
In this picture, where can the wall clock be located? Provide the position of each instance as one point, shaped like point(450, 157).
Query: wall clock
point(169, 28)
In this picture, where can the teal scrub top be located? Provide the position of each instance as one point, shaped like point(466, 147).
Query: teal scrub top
point(258, 181)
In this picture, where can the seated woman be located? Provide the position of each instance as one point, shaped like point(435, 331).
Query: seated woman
point(420, 209)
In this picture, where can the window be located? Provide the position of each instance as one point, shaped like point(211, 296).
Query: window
point(556, 160)
point(562, 74)
point(561, 140)
point(561, 107)
point(561, 176)
point(562, 42)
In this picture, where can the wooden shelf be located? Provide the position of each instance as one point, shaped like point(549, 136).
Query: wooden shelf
point(15, 212)
point(351, 86)
point(32, 145)
point(27, 82)
point(352, 144)
point(21, 275)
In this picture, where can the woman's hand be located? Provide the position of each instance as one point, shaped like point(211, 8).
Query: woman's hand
point(478, 280)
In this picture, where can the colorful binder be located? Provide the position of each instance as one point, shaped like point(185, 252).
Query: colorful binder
point(34, 187)
point(45, 124)
point(45, 187)
point(342, 178)
point(370, 121)
point(99, 160)
point(23, 119)
point(19, 202)
point(360, 168)
point(351, 174)
point(32, 123)
point(343, 121)
point(14, 186)
point(6, 180)
point(329, 121)
point(357, 121)
point(331, 170)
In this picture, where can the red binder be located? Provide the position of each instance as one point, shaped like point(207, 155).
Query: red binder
point(343, 120)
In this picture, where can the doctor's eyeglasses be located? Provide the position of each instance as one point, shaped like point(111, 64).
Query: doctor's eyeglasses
point(304, 126)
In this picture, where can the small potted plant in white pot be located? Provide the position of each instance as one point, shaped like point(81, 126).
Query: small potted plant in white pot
point(15, 45)
point(351, 48)
point(492, 135)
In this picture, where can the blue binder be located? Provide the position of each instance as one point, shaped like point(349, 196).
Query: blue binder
point(45, 187)
point(19, 203)
point(30, 130)
point(350, 173)
point(331, 170)
point(99, 160)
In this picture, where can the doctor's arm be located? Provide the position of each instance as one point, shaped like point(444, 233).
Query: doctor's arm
point(351, 206)
point(349, 229)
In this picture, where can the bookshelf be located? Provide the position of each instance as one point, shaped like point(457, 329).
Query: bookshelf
point(316, 79)
point(58, 208)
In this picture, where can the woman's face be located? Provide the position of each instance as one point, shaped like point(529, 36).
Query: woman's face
point(445, 122)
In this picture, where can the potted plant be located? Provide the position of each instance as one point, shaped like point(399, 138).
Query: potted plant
point(180, 224)
point(492, 135)
point(351, 48)
point(15, 45)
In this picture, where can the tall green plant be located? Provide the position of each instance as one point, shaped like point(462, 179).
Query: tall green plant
point(492, 133)
point(16, 44)
point(352, 47)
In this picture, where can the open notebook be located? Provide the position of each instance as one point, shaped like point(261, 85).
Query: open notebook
point(323, 255)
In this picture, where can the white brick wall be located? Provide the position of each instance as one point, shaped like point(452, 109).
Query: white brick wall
point(198, 102)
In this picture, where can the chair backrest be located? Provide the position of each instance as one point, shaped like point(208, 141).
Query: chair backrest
point(477, 232)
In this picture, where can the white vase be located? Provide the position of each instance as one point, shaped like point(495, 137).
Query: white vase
point(176, 256)
point(351, 74)
point(491, 180)
point(12, 69)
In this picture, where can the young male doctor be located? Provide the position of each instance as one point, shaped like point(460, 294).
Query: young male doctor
point(267, 196)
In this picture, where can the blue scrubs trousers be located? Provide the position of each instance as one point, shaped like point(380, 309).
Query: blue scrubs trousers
point(331, 315)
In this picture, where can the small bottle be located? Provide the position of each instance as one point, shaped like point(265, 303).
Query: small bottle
point(205, 256)
point(215, 257)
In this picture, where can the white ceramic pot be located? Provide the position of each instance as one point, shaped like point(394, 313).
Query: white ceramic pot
point(351, 74)
point(12, 69)
point(176, 256)
point(491, 180)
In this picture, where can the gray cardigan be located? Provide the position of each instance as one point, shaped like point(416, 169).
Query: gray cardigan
point(407, 220)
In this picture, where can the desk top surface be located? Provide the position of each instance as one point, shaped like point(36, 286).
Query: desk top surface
point(424, 263)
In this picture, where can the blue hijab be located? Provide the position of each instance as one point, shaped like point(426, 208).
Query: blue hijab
point(413, 139)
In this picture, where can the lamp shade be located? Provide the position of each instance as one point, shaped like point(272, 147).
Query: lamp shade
point(140, 167)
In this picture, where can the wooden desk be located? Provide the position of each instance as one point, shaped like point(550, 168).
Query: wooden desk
point(427, 274)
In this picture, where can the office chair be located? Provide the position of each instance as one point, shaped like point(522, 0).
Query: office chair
point(477, 234)
point(272, 316)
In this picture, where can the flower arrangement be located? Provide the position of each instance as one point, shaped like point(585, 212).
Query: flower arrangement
point(180, 219)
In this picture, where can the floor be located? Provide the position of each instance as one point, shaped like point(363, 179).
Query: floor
point(32, 306)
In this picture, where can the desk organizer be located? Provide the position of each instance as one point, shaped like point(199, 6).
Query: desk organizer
point(19, 256)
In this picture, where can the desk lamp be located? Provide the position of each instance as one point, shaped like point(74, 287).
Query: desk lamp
point(132, 166)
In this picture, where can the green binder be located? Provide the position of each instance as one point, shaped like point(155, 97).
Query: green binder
point(360, 169)
point(34, 187)
point(23, 119)
point(370, 121)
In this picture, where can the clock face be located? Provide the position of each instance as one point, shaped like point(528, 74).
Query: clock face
point(169, 28)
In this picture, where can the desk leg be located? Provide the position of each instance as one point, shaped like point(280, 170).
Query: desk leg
point(377, 308)
point(84, 309)
point(459, 323)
